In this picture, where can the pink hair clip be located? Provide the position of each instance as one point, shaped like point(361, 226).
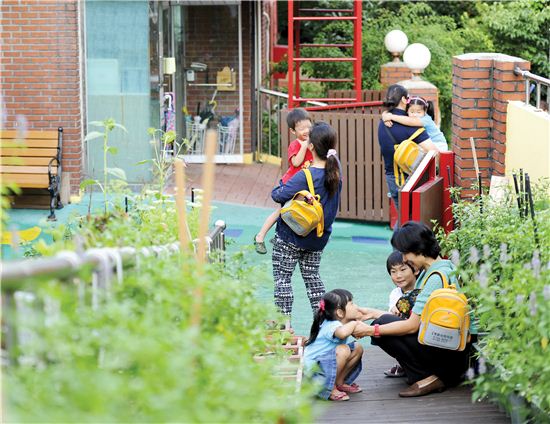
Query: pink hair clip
point(322, 305)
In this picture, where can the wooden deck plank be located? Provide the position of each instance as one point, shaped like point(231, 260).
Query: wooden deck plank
point(380, 403)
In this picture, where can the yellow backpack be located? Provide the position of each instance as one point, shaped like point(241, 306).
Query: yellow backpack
point(407, 157)
point(445, 319)
point(302, 217)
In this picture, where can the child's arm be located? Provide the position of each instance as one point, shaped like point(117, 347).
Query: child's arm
point(403, 120)
point(299, 157)
point(369, 313)
point(284, 192)
point(345, 330)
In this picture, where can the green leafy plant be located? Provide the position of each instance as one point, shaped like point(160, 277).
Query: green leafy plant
point(162, 161)
point(108, 125)
point(503, 259)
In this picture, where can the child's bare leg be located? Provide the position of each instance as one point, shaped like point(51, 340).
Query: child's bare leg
point(343, 354)
point(354, 358)
point(269, 222)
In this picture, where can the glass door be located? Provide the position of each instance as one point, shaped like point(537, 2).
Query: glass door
point(207, 82)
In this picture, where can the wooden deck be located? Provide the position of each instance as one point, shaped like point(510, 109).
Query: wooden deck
point(379, 402)
point(241, 184)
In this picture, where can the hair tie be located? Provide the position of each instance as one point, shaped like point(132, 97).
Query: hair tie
point(322, 305)
point(331, 152)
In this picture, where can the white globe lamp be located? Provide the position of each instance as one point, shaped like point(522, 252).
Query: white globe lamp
point(417, 57)
point(396, 42)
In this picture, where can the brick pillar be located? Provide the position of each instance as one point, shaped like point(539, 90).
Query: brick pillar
point(393, 72)
point(40, 75)
point(426, 90)
point(483, 83)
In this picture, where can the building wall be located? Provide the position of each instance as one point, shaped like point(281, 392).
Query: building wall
point(40, 73)
point(212, 38)
point(530, 153)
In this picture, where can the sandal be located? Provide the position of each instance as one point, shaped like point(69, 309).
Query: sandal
point(260, 246)
point(350, 388)
point(338, 396)
point(395, 372)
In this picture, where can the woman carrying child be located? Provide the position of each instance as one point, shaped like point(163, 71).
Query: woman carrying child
point(299, 157)
point(290, 248)
point(428, 369)
point(421, 113)
point(330, 354)
point(388, 137)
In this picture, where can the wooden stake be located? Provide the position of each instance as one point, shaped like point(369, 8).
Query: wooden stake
point(472, 145)
point(183, 228)
point(207, 187)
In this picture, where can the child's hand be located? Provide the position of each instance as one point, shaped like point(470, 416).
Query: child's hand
point(303, 143)
point(394, 311)
point(386, 117)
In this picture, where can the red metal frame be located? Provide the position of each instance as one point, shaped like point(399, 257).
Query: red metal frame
point(294, 59)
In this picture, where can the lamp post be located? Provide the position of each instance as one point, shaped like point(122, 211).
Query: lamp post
point(417, 57)
point(396, 41)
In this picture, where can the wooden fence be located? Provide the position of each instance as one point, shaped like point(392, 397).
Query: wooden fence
point(364, 192)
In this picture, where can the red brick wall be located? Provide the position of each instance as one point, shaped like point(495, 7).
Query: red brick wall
point(212, 38)
point(483, 83)
point(393, 72)
point(40, 73)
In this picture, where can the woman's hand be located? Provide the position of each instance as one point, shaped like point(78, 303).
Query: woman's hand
point(394, 311)
point(362, 330)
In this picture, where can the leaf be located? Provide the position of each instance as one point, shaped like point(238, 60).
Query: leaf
point(141, 162)
point(117, 172)
point(112, 150)
point(151, 130)
point(122, 127)
point(97, 124)
point(93, 135)
point(169, 137)
point(86, 183)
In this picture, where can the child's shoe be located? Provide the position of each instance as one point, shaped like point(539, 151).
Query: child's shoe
point(260, 246)
point(338, 396)
point(395, 372)
point(350, 388)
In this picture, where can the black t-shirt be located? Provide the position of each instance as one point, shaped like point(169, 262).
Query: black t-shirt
point(400, 133)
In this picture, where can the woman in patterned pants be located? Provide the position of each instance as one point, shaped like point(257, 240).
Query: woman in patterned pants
point(290, 248)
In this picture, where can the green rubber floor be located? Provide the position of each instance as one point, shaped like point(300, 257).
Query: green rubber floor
point(354, 258)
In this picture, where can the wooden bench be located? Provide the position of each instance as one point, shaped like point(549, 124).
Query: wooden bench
point(33, 162)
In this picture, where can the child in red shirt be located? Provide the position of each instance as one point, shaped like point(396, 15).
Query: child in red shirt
point(299, 157)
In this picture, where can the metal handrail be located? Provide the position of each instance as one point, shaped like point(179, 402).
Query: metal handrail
point(285, 96)
point(539, 81)
point(65, 264)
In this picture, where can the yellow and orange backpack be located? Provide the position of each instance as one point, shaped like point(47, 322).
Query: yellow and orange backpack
point(445, 319)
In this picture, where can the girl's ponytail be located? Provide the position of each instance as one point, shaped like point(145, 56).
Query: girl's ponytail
point(332, 174)
point(323, 138)
point(318, 319)
point(430, 110)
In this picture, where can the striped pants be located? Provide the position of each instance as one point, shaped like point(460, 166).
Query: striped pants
point(285, 256)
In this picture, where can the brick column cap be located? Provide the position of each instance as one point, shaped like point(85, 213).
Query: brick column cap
point(489, 56)
point(399, 64)
point(413, 84)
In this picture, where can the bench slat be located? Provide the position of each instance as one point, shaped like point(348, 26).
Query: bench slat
point(14, 134)
point(28, 143)
point(27, 180)
point(17, 161)
point(27, 169)
point(30, 152)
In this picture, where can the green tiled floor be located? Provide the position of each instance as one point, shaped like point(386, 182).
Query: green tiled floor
point(354, 258)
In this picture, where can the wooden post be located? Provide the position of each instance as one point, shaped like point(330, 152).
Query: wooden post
point(208, 187)
point(183, 228)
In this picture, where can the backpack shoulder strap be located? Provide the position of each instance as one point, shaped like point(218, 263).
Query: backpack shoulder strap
point(309, 181)
point(416, 133)
point(389, 133)
point(441, 275)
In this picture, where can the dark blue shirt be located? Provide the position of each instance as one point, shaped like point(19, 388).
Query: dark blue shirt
point(283, 193)
point(400, 133)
